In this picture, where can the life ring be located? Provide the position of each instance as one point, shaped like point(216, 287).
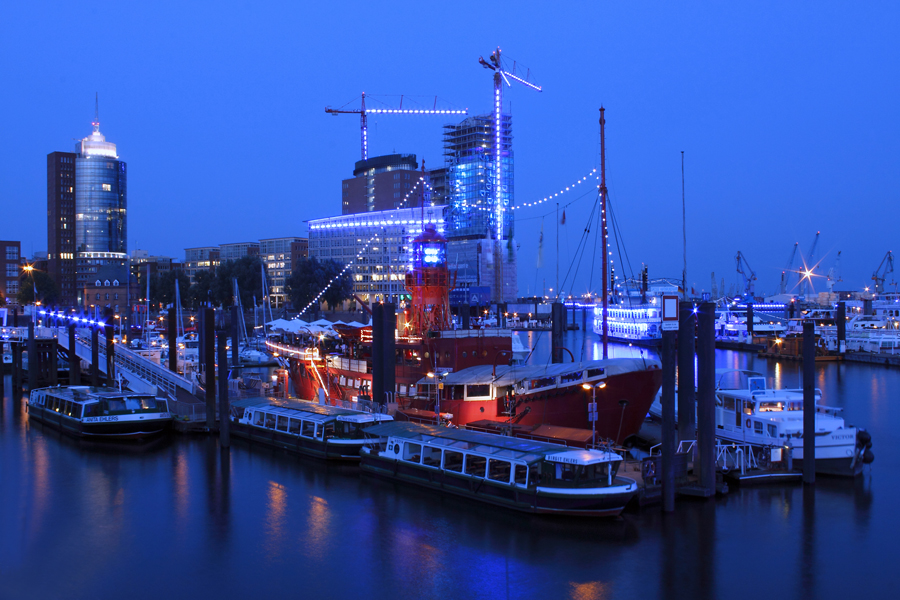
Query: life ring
point(748, 423)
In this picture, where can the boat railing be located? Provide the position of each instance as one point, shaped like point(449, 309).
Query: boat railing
point(188, 411)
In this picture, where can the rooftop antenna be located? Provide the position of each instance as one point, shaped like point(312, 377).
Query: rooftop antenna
point(96, 122)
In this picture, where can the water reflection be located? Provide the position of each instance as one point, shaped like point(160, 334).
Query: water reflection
point(276, 504)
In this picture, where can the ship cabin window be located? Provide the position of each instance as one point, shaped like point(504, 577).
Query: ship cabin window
point(748, 407)
point(453, 461)
point(579, 476)
point(258, 419)
point(595, 372)
point(478, 391)
point(543, 382)
point(773, 430)
point(148, 404)
point(326, 431)
point(91, 409)
point(728, 403)
point(412, 452)
point(308, 429)
point(349, 430)
point(113, 406)
point(270, 421)
point(294, 427)
point(520, 475)
point(456, 392)
point(475, 465)
point(758, 427)
point(499, 470)
point(570, 377)
point(771, 407)
point(431, 457)
point(132, 404)
point(282, 423)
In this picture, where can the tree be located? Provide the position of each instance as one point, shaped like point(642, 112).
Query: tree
point(47, 292)
point(310, 276)
point(247, 272)
point(162, 287)
point(200, 289)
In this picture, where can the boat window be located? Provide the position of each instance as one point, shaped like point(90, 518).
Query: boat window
point(758, 427)
point(294, 427)
point(282, 423)
point(258, 419)
point(456, 392)
point(595, 372)
point(475, 465)
point(570, 377)
point(431, 456)
point(453, 461)
point(521, 474)
point(412, 452)
point(67, 408)
point(543, 382)
point(328, 429)
point(91, 410)
point(54, 404)
point(773, 431)
point(728, 403)
point(270, 421)
point(748, 407)
point(770, 406)
point(308, 429)
point(499, 470)
point(479, 390)
point(132, 403)
point(148, 404)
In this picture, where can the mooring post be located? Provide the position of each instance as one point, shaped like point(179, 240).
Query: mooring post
point(464, 315)
point(95, 355)
point(235, 351)
point(109, 334)
point(558, 324)
point(224, 409)
point(687, 392)
point(809, 402)
point(54, 362)
point(74, 361)
point(705, 465)
point(388, 349)
point(668, 419)
point(32, 357)
point(172, 337)
point(750, 317)
point(209, 377)
point(841, 321)
point(378, 357)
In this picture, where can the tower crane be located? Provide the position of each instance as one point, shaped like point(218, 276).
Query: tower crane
point(884, 268)
point(834, 273)
point(362, 111)
point(746, 271)
point(788, 268)
point(809, 267)
point(502, 144)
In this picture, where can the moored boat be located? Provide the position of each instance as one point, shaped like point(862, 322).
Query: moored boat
point(520, 474)
point(99, 412)
point(323, 431)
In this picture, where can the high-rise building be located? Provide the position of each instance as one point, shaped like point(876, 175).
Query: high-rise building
point(86, 213)
point(10, 255)
point(381, 183)
point(480, 223)
point(61, 224)
point(276, 255)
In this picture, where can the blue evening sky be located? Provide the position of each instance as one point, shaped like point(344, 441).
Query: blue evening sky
point(787, 114)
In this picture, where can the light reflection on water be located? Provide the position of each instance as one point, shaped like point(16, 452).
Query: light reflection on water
point(189, 519)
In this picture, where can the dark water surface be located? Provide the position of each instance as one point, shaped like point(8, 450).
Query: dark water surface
point(187, 519)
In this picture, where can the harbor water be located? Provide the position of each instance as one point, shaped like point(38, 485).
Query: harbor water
point(184, 518)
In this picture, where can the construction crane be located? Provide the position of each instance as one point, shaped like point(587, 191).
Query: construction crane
point(746, 271)
point(834, 273)
point(501, 167)
point(809, 268)
point(362, 111)
point(884, 268)
point(789, 268)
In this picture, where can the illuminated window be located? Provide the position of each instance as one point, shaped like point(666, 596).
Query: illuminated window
point(107, 187)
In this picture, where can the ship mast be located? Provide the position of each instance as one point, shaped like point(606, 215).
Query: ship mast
point(604, 233)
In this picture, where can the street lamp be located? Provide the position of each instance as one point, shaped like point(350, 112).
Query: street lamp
point(437, 377)
point(592, 408)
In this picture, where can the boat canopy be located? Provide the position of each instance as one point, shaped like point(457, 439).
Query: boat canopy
point(506, 375)
point(528, 451)
point(314, 412)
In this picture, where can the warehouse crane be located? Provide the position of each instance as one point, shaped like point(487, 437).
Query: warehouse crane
point(809, 268)
point(789, 268)
point(362, 111)
point(834, 273)
point(502, 143)
point(884, 268)
point(746, 271)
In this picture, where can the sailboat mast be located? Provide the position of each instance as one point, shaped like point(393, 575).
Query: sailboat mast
point(605, 294)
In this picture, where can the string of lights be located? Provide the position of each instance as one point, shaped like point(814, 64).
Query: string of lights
point(560, 192)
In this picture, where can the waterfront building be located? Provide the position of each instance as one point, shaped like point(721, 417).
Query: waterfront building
point(480, 221)
point(109, 289)
point(381, 239)
point(237, 250)
point(61, 224)
point(10, 255)
point(201, 258)
point(141, 261)
point(277, 254)
point(379, 183)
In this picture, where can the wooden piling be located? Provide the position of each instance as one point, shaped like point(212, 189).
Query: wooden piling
point(95, 355)
point(209, 378)
point(74, 361)
point(224, 409)
point(809, 402)
point(687, 411)
point(668, 420)
point(705, 464)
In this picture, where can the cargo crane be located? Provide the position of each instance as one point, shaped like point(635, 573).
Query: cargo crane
point(789, 268)
point(884, 268)
point(834, 273)
point(746, 271)
point(809, 268)
point(501, 74)
point(362, 111)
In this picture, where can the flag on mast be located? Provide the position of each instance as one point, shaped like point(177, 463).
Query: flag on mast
point(563, 220)
point(540, 257)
